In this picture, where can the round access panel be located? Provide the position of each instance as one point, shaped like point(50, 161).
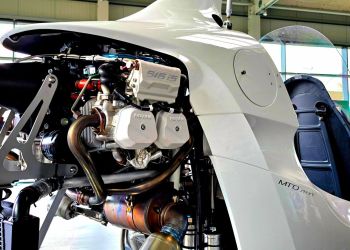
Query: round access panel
point(256, 76)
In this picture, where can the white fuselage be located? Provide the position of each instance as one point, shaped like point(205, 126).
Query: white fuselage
point(248, 120)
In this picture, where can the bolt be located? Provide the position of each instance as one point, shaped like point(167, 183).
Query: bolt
point(177, 129)
point(244, 72)
point(72, 170)
point(52, 80)
point(46, 126)
point(64, 121)
point(48, 112)
point(143, 126)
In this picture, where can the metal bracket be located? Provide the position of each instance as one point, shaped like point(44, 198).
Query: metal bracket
point(261, 6)
point(50, 215)
point(10, 170)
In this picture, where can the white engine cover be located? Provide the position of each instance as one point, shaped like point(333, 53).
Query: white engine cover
point(134, 128)
point(172, 130)
point(156, 82)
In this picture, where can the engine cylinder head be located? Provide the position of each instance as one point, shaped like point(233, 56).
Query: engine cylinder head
point(134, 128)
point(172, 130)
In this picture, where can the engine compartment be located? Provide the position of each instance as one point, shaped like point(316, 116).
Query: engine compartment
point(111, 125)
point(135, 92)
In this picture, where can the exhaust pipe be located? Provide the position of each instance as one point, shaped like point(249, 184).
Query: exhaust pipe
point(154, 182)
point(157, 215)
point(171, 235)
point(160, 241)
point(82, 155)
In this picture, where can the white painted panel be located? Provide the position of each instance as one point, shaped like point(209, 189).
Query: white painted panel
point(230, 136)
point(254, 206)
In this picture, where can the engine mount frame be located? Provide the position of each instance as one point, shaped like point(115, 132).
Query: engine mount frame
point(9, 170)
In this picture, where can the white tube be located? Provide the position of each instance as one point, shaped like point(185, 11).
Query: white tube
point(175, 178)
point(105, 89)
point(228, 8)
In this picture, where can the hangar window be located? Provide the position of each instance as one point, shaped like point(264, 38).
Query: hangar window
point(323, 63)
point(274, 51)
point(316, 60)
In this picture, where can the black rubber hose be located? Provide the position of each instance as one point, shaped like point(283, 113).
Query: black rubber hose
point(111, 179)
point(123, 239)
point(31, 194)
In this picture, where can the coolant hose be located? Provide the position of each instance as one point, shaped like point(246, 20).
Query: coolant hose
point(111, 179)
point(31, 194)
point(82, 155)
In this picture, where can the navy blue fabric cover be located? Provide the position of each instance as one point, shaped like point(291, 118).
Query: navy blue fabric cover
point(322, 141)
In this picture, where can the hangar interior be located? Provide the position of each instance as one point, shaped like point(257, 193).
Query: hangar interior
point(331, 18)
point(254, 17)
